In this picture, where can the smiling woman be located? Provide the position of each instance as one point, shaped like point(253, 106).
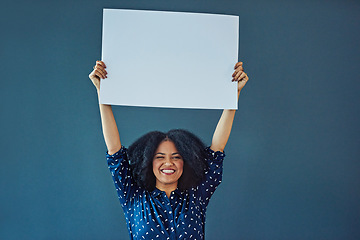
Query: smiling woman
point(164, 181)
point(167, 150)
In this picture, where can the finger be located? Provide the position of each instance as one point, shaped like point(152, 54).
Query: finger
point(241, 76)
point(101, 69)
point(238, 74)
point(245, 78)
point(101, 63)
point(99, 74)
point(240, 68)
point(238, 65)
point(237, 70)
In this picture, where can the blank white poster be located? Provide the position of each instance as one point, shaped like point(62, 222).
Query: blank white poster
point(169, 59)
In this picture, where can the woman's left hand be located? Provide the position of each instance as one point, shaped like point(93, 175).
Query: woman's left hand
point(240, 76)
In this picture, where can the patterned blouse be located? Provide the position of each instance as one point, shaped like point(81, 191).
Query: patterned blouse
point(152, 215)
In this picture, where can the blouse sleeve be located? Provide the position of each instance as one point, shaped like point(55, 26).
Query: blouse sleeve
point(213, 175)
point(120, 170)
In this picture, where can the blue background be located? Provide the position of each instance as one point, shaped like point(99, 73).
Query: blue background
point(292, 169)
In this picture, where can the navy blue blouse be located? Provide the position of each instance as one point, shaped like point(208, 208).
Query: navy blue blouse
point(152, 215)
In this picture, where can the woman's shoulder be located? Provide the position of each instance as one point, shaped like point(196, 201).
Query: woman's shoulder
point(117, 153)
point(211, 154)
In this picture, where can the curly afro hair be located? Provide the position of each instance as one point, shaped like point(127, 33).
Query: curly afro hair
point(191, 148)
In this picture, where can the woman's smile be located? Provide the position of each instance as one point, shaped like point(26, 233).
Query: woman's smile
point(168, 171)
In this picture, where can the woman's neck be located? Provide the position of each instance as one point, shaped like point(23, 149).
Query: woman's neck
point(167, 188)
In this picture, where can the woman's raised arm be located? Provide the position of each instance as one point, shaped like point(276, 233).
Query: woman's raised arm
point(223, 128)
point(109, 127)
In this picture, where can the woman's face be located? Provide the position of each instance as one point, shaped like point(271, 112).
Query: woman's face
point(167, 165)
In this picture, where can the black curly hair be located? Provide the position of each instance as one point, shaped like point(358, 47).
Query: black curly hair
point(191, 148)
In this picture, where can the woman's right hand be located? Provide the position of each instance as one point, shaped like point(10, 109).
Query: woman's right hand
point(98, 73)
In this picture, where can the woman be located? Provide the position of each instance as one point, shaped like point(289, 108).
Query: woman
point(165, 180)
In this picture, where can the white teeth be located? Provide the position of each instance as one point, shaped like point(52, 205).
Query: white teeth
point(168, 171)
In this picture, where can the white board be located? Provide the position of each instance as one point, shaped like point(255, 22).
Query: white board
point(169, 59)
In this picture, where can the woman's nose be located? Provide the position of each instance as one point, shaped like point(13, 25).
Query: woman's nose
point(168, 161)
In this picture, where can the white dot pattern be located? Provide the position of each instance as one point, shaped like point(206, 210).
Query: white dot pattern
point(152, 215)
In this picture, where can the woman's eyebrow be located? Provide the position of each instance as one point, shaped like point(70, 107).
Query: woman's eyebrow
point(160, 153)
